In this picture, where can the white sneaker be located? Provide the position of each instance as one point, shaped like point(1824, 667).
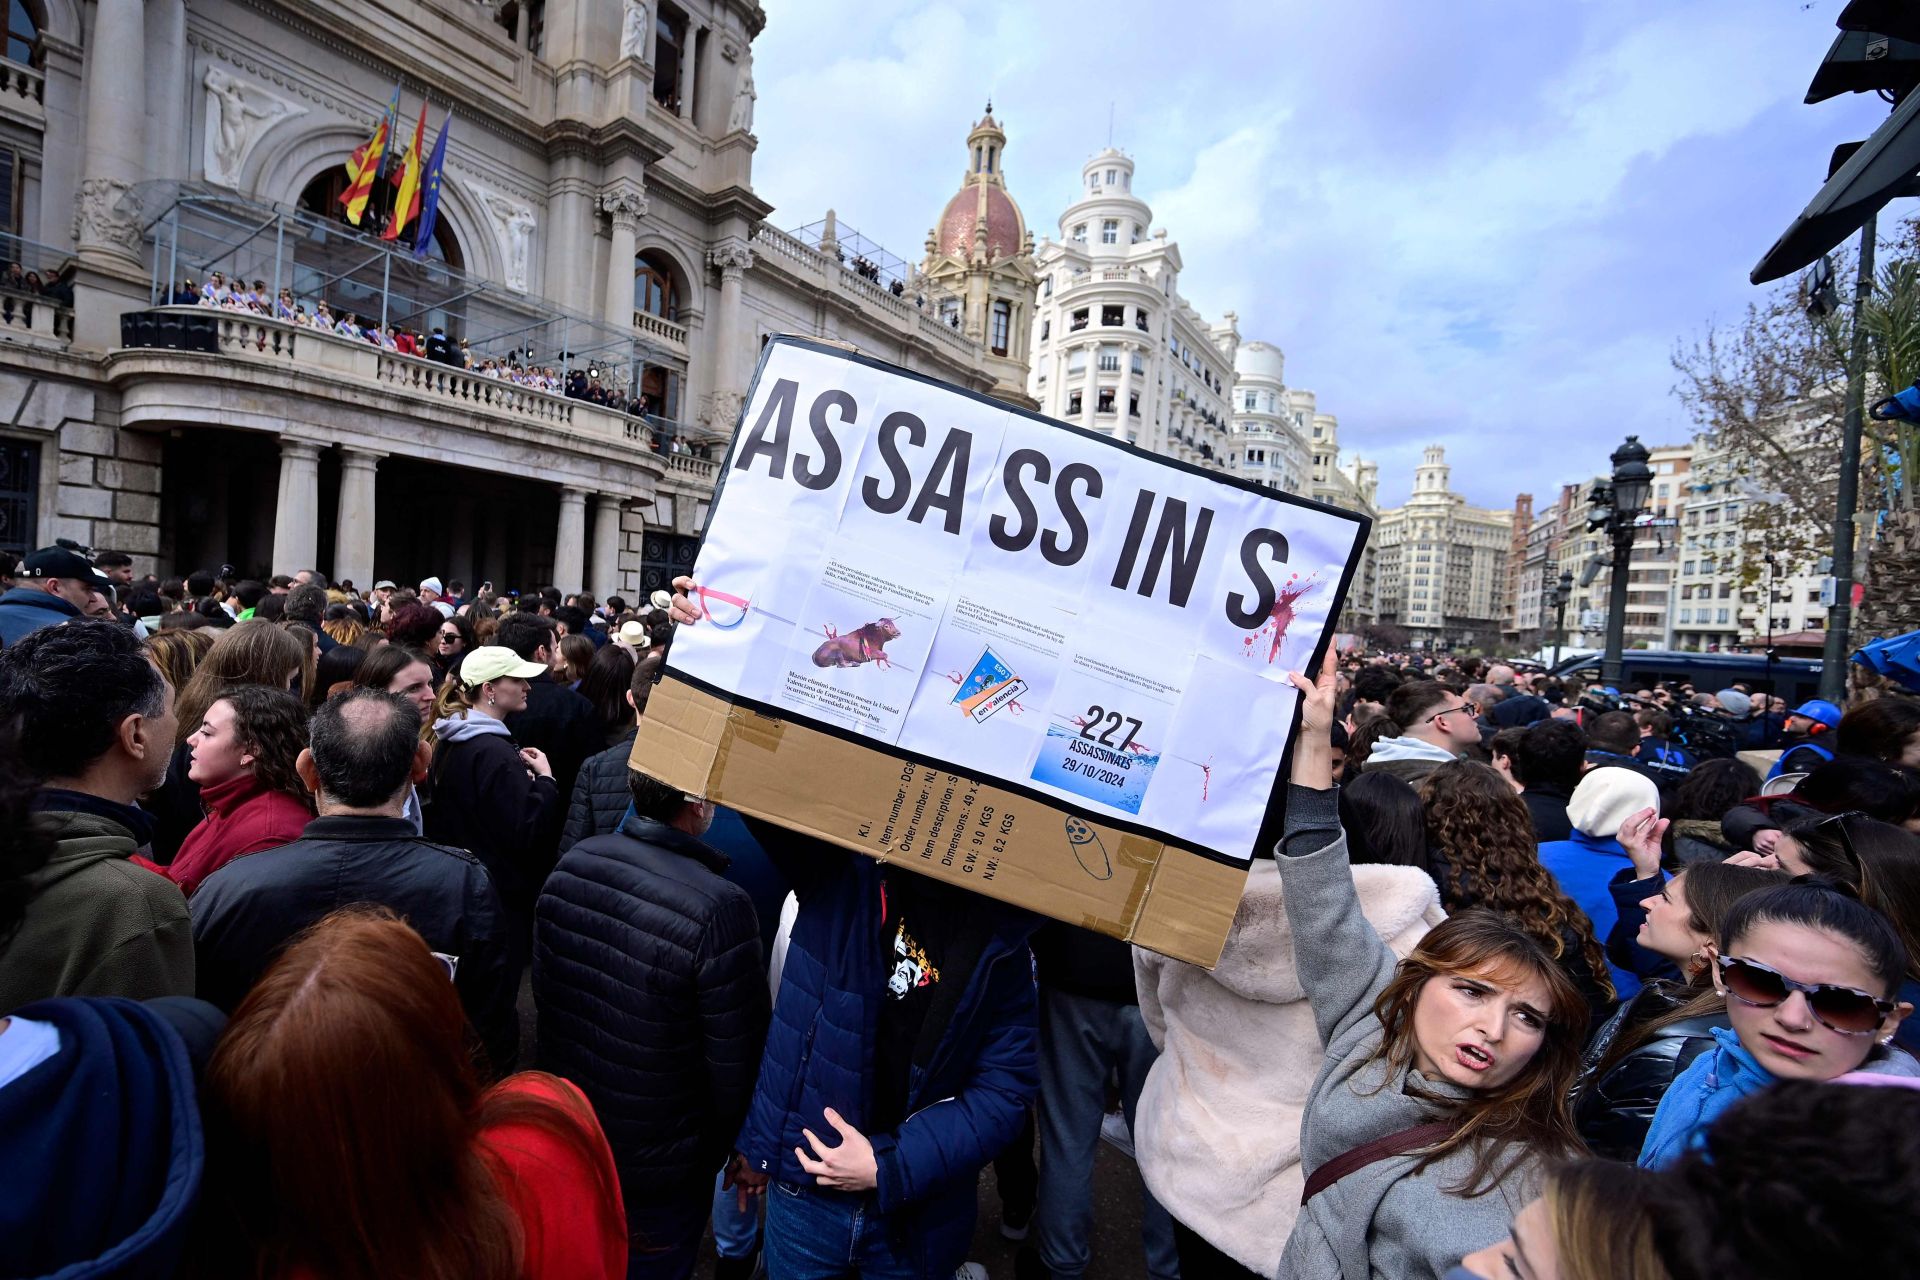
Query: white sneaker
point(1113, 1127)
point(970, 1271)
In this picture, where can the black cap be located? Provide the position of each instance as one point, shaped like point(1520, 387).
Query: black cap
point(59, 562)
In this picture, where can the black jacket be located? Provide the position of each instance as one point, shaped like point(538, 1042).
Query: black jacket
point(486, 802)
point(246, 912)
point(1547, 806)
point(1084, 963)
point(561, 723)
point(652, 997)
point(1612, 1111)
point(600, 796)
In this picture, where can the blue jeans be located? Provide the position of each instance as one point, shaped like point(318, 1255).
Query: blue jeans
point(816, 1235)
point(734, 1233)
point(1082, 1039)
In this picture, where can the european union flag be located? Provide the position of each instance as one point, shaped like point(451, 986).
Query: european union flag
point(430, 198)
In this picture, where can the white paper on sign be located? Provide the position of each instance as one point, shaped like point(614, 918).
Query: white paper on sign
point(894, 559)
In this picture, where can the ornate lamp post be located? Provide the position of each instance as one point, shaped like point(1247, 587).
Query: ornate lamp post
point(1632, 482)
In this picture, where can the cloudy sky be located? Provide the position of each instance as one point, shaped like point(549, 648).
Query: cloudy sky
point(1479, 223)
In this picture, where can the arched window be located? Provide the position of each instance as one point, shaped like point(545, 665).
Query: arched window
point(990, 151)
point(322, 198)
point(23, 34)
point(656, 287)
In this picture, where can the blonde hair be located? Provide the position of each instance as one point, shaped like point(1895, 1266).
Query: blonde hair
point(347, 631)
point(178, 652)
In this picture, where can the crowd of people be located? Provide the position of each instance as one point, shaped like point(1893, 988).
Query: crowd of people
point(1538, 980)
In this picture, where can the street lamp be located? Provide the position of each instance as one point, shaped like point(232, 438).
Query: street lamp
point(1562, 592)
point(1632, 482)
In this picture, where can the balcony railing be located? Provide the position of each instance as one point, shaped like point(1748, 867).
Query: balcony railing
point(23, 92)
point(257, 340)
point(661, 327)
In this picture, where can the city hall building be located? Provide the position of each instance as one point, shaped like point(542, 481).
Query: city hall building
point(595, 219)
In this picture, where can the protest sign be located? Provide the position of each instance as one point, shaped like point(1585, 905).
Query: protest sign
point(962, 609)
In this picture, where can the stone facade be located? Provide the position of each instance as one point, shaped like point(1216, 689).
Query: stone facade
point(599, 173)
point(1442, 567)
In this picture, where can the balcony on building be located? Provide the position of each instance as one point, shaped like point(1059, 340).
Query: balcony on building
point(302, 261)
point(36, 292)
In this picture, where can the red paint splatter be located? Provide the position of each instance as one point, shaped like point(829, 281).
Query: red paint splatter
point(1282, 616)
point(1206, 779)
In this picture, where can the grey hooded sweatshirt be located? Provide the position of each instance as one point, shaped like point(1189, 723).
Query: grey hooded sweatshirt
point(1384, 1220)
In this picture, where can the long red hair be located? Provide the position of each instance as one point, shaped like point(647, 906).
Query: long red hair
point(343, 1112)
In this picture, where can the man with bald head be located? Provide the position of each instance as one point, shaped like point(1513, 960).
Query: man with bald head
point(1516, 706)
point(366, 756)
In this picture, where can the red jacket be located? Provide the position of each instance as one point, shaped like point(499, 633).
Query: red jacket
point(243, 817)
point(570, 1211)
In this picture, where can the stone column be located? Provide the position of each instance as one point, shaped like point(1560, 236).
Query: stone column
point(625, 206)
point(1122, 423)
point(296, 521)
point(731, 257)
point(115, 155)
point(570, 542)
point(353, 535)
point(690, 53)
point(603, 578)
point(1091, 400)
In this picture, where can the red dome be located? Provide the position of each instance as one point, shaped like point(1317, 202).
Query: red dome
point(955, 235)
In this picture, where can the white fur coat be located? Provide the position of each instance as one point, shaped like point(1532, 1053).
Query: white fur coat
point(1218, 1128)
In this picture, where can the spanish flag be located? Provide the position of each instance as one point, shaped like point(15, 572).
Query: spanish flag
point(361, 168)
point(406, 204)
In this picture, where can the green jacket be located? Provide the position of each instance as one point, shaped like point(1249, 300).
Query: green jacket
point(96, 924)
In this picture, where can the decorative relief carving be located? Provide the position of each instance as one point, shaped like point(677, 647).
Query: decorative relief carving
point(238, 115)
point(513, 225)
point(100, 219)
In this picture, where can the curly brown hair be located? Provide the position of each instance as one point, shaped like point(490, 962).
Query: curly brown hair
point(1529, 1116)
point(1482, 832)
point(272, 725)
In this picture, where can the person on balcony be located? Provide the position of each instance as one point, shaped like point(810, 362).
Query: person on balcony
point(214, 293)
point(323, 317)
point(284, 308)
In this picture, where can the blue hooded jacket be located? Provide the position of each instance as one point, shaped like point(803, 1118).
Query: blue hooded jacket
point(24, 610)
point(101, 1149)
point(965, 1101)
point(1711, 1084)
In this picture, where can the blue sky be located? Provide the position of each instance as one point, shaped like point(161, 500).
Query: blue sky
point(1475, 223)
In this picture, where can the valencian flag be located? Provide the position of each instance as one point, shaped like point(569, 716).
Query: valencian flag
point(430, 202)
point(362, 168)
point(407, 203)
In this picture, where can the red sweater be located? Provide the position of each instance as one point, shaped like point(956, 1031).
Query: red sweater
point(573, 1230)
point(242, 817)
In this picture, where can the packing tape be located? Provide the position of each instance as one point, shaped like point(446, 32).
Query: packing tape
point(1142, 858)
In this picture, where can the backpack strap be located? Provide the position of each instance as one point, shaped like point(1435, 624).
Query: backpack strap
point(1393, 1144)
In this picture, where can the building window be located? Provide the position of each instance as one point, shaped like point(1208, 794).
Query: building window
point(1133, 404)
point(950, 311)
point(1113, 316)
point(1110, 231)
point(1079, 320)
point(1105, 402)
point(1249, 400)
point(1080, 234)
point(1140, 319)
point(669, 52)
point(1110, 177)
point(1109, 360)
point(1046, 327)
point(1722, 616)
point(23, 36)
point(1040, 368)
point(654, 289)
point(1076, 362)
point(1000, 325)
point(1073, 404)
point(1139, 363)
point(1046, 287)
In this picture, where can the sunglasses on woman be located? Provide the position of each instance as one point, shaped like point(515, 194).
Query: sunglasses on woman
point(1847, 1010)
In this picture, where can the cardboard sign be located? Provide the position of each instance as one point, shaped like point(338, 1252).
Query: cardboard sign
point(1023, 657)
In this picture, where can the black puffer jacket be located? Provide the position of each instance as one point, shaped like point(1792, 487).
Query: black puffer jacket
point(600, 795)
point(652, 997)
point(1612, 1111)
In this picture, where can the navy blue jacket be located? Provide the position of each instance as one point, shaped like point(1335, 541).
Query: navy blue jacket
point(966, 1099)
point(101, 1151)
point(24, 610)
